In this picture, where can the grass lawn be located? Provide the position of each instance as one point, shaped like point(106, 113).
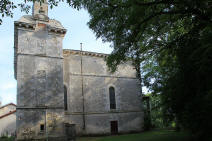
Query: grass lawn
point(157, 135)
point(7, 138)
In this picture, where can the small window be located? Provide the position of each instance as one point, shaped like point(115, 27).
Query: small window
point(112, 98)
point(65, 98)
point(42, 127)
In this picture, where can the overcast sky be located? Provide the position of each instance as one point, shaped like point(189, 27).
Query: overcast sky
point(76, 24)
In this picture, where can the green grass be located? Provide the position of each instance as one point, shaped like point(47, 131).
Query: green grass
point(157, 135)
point(7, 138)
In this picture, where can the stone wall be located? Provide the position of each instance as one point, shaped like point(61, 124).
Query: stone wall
point(8, 125)
point(96, 80)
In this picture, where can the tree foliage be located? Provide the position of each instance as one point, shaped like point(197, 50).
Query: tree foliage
point(157, 117)
point(171, 38)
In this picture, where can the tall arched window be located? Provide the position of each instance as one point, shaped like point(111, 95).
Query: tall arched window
point(112, 98)
point(65, 98)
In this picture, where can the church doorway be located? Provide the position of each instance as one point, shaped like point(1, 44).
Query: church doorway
point(114, 127)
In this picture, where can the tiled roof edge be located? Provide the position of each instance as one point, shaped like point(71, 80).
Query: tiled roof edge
point(7, 114)
point(88, 53)
point(8, 105)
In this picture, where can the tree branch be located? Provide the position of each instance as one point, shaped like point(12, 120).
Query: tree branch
point(155, 2)
point(108, 4)
point(163, 13)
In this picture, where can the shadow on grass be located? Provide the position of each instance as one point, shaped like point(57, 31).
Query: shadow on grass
point(7, 138)
point(156, 135)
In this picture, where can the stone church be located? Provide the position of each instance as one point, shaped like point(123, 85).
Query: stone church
point(60, 89)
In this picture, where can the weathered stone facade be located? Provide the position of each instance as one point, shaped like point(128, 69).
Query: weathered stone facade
point(88, 80)
point(39, 73)
point(43, 68)
point(7, 120)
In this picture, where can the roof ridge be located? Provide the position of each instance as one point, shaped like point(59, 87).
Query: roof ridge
point(89, 53)
point(8, 105)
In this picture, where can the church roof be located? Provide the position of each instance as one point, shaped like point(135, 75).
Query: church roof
point(7, 105)
point(67, 52)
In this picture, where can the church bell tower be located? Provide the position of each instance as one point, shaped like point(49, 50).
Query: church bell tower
point(38, 63)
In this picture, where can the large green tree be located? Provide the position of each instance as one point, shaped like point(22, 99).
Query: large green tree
point(172, 41)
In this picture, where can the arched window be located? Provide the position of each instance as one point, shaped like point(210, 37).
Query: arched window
point(65, 98)
point(112, 98)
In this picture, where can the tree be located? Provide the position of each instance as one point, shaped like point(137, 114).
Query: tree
point(171, 38)
point(157, 112)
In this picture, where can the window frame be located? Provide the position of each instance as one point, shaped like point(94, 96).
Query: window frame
point(112, 97)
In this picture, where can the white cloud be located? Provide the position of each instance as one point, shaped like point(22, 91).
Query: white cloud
point(6, 45)
point(8, 92)
point(8, 98)
point(8, 85)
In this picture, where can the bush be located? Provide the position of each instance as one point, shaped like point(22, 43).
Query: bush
point(6, 138)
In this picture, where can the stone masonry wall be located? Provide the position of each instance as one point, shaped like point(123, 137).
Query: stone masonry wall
point(96, 82)
point(40, 95)
point(8, 125)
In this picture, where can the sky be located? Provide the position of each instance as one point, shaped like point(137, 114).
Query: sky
point(77, 32)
